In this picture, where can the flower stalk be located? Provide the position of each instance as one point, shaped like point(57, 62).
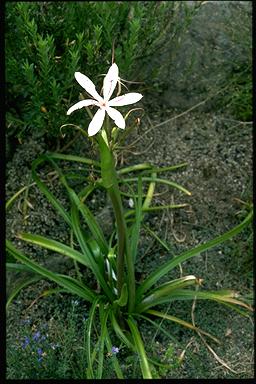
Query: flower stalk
point(110, 182)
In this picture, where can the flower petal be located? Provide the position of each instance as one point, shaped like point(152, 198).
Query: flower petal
point(88, 85)
point(128, 98)
point(110, 82)
point(81, 104)
point(116, 116)
point(96, 123)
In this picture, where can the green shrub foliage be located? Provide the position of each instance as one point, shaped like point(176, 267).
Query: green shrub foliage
point(46, 42)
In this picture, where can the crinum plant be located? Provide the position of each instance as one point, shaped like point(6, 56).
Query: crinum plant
point(119, 302)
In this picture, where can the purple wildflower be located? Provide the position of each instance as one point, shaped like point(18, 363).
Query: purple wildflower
point(26, 321)
point(26, 342)
point(36, 336)
point(40, 354)
point(114, 350)
point(39, 351)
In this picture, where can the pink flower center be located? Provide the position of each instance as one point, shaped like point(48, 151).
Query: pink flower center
point(103, 104)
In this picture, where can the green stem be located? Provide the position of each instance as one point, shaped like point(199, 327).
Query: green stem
point(121, 229)
point(109, 178)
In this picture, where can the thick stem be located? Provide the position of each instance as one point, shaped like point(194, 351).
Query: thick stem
point(109, 178)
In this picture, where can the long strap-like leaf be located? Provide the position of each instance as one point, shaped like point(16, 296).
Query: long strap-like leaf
point(139, 345)
point(90, 374)
point(181, 322)
point(158, 180)
point(90, 220)
point(165, 291)
point(55, 246)
point(120, 333)
point(103, 312)
point(78, 159)
point(114, 359)
point(227, 297)
point(56, 204)
point(165, 268)
point(146, 167)
point(24, 283)
point(96, 268)
point(72, 285)
point(135, 231)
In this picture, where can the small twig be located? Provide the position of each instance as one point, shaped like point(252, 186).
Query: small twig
point(138, 153)
point(179, 240)
point(160, 324)
point(55, 176)
point(215, 355)
point(185, 112)
point(206, 259)
point(237, 121)
point(203, 339)
point(179, 115)
point(152, 241)
point(173, 233)
point(70, 142)
point(181, 357)
point(35, 300)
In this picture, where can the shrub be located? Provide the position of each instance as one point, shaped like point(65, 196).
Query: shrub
point(55, 39)
point(238, 96)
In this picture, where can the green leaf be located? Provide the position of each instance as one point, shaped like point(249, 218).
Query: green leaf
point(78, 159)
point(156, 208)
point(150, 193)
point(144, 363)
point(108, 172)
point(104, 312)
point(86, 213)
point(135, 232)
point(55, 246)
point(24, 283)
point(96, 268)
point(72, 285)
point(55, 203)
point(169, 168)
point(166, 290)
point(165, 268)
point(134, 168)
point(157, 180)
point(227, 297)
point(163, 243)
point(122, 301)
point(181, 322)
point(11, 200)
point(120, 333)
point(158, 326)
point(147, 167)
point(18, 267)
point(113, 359)
point(90, 220)
point(89, 331)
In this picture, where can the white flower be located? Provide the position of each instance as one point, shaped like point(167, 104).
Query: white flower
point(104, 104)
point(131, 203)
